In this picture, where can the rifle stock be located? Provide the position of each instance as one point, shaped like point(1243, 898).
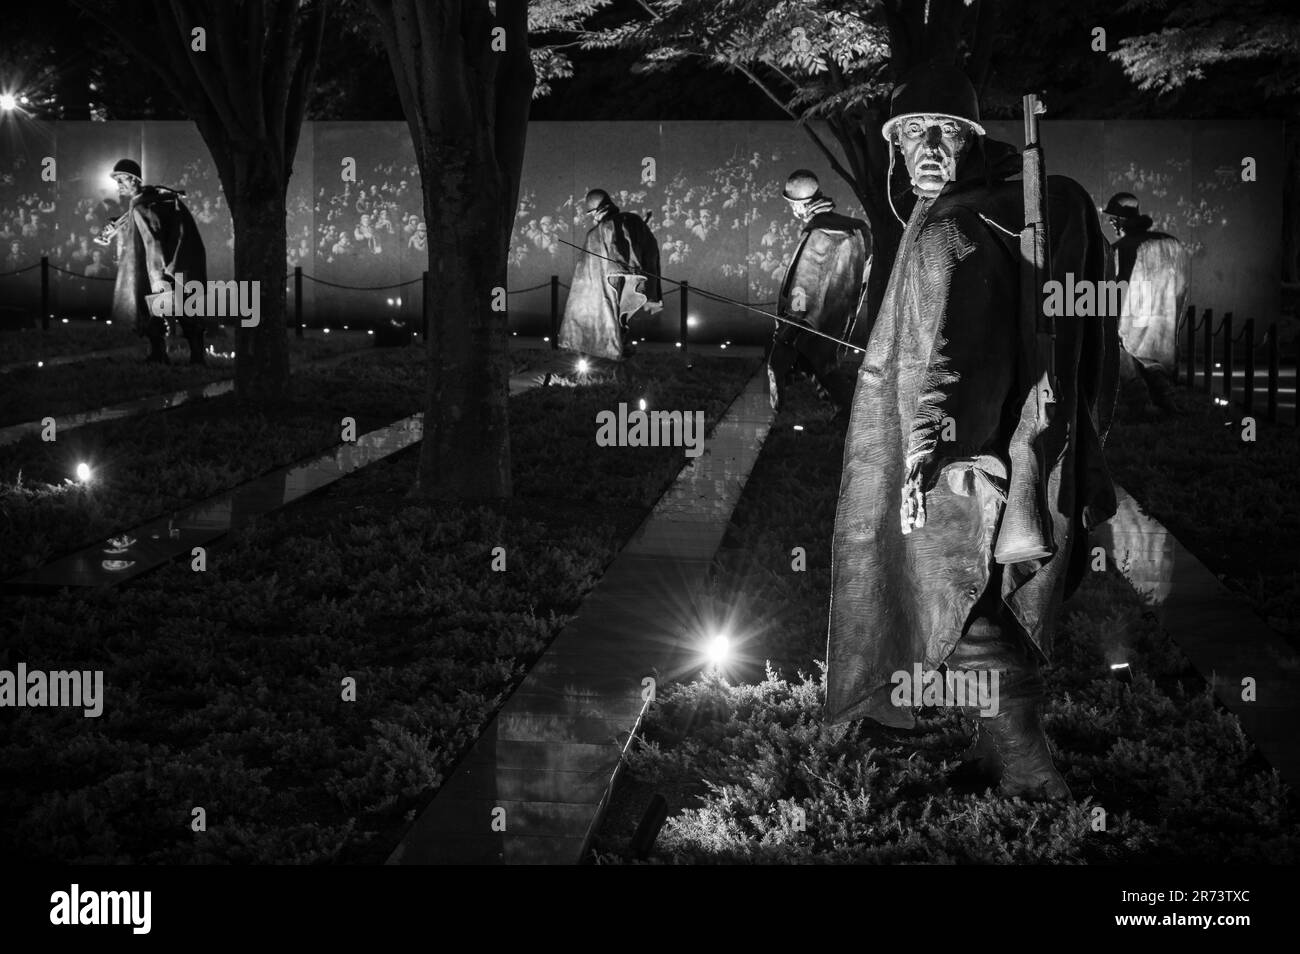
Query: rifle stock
point(1026, 530)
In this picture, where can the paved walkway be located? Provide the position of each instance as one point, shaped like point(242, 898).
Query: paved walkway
point(552, 753)
point(131, 553)
point(1219, 631)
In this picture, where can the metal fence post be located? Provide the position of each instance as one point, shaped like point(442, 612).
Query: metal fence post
point(424, 308)
point(45, 293)
point(1227, 357)
point(686, 292)
point(1207, 359)
point(1249, 382)
point(297, 300)
point(1273, 361)
point(555, 312)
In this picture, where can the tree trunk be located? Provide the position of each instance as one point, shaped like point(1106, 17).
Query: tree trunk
point(258, 209)
point(465, 452)
point(858, 135)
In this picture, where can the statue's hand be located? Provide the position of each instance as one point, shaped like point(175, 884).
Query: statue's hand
point(912, 513)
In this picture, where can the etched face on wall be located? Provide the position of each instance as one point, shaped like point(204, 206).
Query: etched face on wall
point(932, 148)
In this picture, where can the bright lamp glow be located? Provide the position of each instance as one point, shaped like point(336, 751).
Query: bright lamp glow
point(642, 404)
point(582, 365)
point(718, 649)
point(8, 101)
point(83, 472)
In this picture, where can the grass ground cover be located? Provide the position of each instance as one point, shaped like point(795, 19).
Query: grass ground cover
point(1231, 502)
point(223, 689)
point(148, 465)
point(30, 393)
point(752, 775)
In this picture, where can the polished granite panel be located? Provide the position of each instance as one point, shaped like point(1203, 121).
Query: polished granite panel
point(490, 849)
point(146, 405)
point(484, 780)
point(71, 358)
point(146, 547)
point(557, 743)
point(153, 544)
point(156, 402)
point(584, 758)
point(1219, 631)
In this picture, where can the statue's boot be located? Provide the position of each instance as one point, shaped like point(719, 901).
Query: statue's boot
point(1010, 746)
point(194, 336)
point(838, 390)
point(157, 350)
point(1161, 387)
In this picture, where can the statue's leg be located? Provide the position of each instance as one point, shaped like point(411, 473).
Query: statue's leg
point(193, 330)
point(156, 333)
point(1010, 746)
point(821, 354)
point(1159, 385)
point(779, 364)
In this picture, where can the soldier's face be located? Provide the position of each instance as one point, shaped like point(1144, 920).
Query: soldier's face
point(1117, 224)
point(126, 185)
point(932, 146)
point(801, 209)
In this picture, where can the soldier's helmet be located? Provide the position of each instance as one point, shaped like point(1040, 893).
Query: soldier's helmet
point(933, 89)
point(1122, 205)
point(129, 167)
point(801, 185)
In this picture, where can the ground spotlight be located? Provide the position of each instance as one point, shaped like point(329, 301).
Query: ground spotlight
point(718, 649)
point(582, 366)
point(8, 101)
point(40, 364)
point(327, 331)
point(1123, 672)
point(83, 472)
point(798, 427)
point(642, 404)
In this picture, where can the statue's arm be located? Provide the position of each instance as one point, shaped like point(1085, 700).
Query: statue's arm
point(967, 295)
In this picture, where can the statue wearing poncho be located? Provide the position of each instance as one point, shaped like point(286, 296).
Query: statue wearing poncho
point(938, 398)
point(616, 276)
point(1156, 267)
point(158, 240)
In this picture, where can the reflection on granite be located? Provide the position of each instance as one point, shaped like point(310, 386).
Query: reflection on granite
point(145, 405)
point(164, 539)
point(150, 404)
point(550, 757)
point(1218, 630)
point(159, 541)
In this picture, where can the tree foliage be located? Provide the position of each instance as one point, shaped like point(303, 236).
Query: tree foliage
point(1196, 36)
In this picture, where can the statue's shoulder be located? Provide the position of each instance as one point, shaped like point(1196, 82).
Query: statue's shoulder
point(835, 222)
